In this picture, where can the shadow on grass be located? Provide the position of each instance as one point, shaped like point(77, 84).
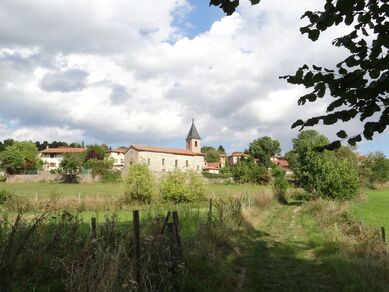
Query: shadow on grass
point(270, 265)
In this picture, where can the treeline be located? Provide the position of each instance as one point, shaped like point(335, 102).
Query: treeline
point(336, 174)
point(42, 145)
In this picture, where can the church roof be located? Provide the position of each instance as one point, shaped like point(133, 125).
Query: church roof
point(165, 150)
point(193, 134)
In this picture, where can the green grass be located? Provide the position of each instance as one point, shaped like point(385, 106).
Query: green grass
point(374, 210)
point(45, 190)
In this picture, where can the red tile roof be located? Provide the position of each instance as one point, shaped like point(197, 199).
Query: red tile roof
point(61, 150)
point(118, 150)
point(165, 150)
point(213, 165)
point(283, 163)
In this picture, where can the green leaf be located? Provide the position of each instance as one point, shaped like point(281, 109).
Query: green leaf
point(297, 123)
point(341, 134)
point(314, 34)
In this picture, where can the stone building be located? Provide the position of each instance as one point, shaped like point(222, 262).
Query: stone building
point(169, 159)
point(52, 157)
point(117, 156)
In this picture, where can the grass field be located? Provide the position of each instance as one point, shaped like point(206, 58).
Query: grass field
point(45, 190)
point(374, 211)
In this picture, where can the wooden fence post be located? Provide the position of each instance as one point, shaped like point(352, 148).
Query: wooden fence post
point(165, 222)
point(93, 225)
point(383, 234)
point(210, 210)
point(137, 245)
point(176, 224)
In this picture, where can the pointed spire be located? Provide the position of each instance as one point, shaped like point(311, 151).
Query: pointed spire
point(193, 134)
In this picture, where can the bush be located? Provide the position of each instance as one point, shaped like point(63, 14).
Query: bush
point(248, 171)
point(70, 167)
point(196, 185)
point(179, 187)
point(4, 195)
point(280, 184)
point(139, 183)
point(3, 178)
point(111, 177)
point(375, 170)
point(336, 179)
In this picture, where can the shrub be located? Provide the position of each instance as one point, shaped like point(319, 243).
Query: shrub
point(70, 167)
point(375, 169)
point(196, 185)
point(336, 179)
point(139, 183)
point(175, 189)
point(111, 177)
point(4, 194)
point(3, 178)
point(248, 171)
point(179, 187)
point(280, 184)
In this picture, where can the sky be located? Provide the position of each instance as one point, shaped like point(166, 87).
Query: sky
point(122, 72)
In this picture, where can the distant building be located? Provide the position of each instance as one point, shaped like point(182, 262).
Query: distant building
point(212, 167)
point(52, 157)
point(117, 155)
point(235, 157)
point(161, 159)
point(223, 160)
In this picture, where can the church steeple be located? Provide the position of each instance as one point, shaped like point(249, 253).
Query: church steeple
point(193, 139)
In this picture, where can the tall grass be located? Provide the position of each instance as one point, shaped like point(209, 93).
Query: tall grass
point(346, 247)
point(53, 249)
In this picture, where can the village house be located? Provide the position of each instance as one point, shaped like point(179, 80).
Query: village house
point(169, 159)
point(117, 156)
point(235, 157)
point(52, 157)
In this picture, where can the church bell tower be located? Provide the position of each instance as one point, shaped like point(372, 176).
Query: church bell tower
point(193, 139)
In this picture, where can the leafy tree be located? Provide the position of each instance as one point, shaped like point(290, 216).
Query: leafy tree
point(303, 155)
point(375, 169)
point(359, 84)
point(95, 151)
point(327, 174)
point(99, 167)
point(211, 154)
point(263, 149)
point(221, 150)
point(248, 171)
point(20, 156)
point(70, 167)
point(139, 183)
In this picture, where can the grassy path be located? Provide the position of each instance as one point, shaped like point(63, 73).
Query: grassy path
point(278, 255)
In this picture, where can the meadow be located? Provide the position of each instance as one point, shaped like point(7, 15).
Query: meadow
point(250, 242)
point(46, 190)
point(374, 209)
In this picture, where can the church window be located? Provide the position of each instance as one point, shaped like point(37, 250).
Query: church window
point(198, 167)
point(187, 163)
point(148, 161)
point(176, 163)
point(163, 161)
point(195, 143)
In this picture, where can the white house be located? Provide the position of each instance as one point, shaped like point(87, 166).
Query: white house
point(52, 157)
point(169, 159)
point(117, 155)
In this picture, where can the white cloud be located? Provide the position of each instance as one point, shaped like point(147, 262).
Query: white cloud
point(145, 80)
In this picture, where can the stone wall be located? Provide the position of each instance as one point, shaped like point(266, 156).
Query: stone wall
point(45, 176)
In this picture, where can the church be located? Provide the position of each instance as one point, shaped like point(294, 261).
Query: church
point(169, 159)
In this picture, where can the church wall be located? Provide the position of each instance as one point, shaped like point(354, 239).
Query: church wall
point(154, 160)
